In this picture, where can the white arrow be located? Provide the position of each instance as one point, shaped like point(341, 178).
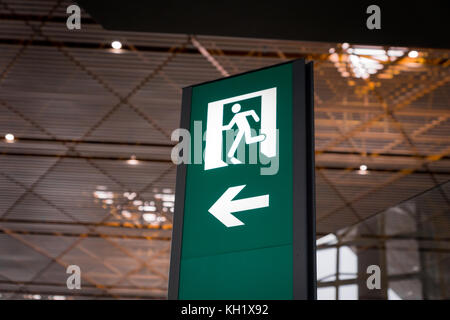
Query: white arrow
point(223, 207)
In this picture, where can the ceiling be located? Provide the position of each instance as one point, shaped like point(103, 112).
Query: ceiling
point(79, 111)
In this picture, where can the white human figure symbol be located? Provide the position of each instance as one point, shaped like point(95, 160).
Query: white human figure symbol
point(240, 119)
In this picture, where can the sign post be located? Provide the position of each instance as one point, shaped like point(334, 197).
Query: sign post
point(244, 222)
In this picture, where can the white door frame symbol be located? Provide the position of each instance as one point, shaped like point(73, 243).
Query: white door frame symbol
point(214, 127)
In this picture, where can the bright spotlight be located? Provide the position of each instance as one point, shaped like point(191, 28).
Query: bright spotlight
point(413, 54)
point(116, 45)
point(9, 137)
point(363, 170)
point(133, 161)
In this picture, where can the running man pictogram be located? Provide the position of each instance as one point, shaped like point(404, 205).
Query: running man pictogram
point(240, 119)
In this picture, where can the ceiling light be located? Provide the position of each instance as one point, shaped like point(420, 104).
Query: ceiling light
point(147, 208)
point(126, 214)
point(363, 170)
point(334, 57)
point(9, 137)
point(149, 217)
point(165, 197)
point(413, 54)
point(167, 204)
point(130, 195)
point(382, 57)
point(395, 53)
point(345, 45)
point(103, 194)
point(116, 45)
point(368, 52)
point(132, 161)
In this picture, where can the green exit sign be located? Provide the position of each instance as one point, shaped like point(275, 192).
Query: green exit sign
point(244, 222)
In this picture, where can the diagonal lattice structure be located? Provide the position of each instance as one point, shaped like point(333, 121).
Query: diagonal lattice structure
point(80, 110)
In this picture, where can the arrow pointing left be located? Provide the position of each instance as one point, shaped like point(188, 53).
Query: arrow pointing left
point(225, 205)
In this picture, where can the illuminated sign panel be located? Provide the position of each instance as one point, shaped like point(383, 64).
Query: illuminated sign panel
point(244, 215)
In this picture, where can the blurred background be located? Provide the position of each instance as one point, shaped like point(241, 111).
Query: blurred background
point(86, 177)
